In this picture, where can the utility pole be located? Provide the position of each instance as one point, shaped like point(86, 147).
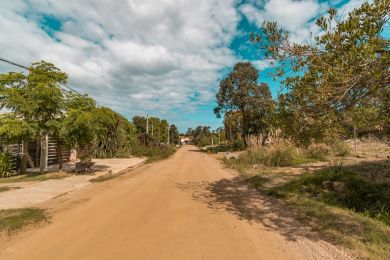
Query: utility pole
point(168, 136)
point(219, 137)
point(152, 129)
point(147, 124)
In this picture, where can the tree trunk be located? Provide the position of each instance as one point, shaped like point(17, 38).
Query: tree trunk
point(42, 159)
point(59, 156)
point(23, 166)
point(354, 138)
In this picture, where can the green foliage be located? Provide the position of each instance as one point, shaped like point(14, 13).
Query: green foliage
point(235, 146)
point(98, 132)
point(114, 134)
point(6, 167)
point(201, 135)
point(341, 78)
point(13, 129)
point(154, 153)
point(158, 128)
point(173, 135)
point(240, 92)
point(345, 189)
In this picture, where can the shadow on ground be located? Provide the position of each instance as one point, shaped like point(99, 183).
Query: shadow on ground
point(246, 203)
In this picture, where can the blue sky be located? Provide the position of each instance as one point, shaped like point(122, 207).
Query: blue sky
point(164, 58)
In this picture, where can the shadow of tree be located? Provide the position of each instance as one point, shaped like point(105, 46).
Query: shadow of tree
point(248, 204)
point(293, 218)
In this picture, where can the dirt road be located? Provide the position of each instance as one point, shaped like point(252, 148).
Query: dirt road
point(186, 207)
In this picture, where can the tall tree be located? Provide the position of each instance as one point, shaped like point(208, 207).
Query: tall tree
point(240, 91)
point(173, 135)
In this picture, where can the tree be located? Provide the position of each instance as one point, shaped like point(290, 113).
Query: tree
point(140, 124)
point(345, 68)
point(173, 135)
point(239, 91)
point(36, 98)
point(233, 125)
point(201, 136)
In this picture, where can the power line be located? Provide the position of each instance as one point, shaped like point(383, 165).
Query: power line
point(29, 69)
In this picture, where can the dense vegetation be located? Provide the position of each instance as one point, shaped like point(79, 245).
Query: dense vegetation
point(336, 86)
point(333, 88)
point(39, 105)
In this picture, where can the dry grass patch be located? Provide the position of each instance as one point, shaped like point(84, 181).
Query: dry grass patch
point(104, 178)
point(12, 220)
point(35, 177)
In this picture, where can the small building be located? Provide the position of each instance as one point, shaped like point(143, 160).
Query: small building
point(185, 139)
point(33, 152)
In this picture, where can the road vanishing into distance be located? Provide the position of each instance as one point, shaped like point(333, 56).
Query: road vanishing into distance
point(186, 207)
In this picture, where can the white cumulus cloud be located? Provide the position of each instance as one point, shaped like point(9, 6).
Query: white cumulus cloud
point(135, 56)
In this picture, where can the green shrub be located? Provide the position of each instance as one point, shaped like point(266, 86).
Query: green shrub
point(238, 145)
point(318, 151)
point(5, 165)
point(153, 153)
point(340, 148)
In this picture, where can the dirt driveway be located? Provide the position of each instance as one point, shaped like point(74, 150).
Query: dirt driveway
point(186, 207)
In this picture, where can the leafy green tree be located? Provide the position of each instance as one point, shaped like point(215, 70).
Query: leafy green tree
point(140, 124)
point(114, 134)
point(240, 91)
point(16, 130)
point(79, 129)
point(233, 125)
point(173, 135)
point(36, 98)
point(344, 68)
point(201, 136)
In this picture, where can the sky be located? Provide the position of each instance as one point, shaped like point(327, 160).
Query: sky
point(163, 58)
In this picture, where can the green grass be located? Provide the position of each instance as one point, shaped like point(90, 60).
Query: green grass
point(34, 177)
point(344, 189)
point(104, 178)
point(368, 237)
point(16, 219)
point(355, 216)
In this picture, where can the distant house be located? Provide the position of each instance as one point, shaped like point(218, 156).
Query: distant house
point(185, 139)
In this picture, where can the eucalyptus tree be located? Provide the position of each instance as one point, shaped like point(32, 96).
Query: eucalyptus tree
point(240, 91)
point(173, 135)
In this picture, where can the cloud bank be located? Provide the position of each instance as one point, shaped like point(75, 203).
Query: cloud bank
point(163, 57)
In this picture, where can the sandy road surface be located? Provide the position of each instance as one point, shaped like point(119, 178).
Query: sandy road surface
point(186, 207)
